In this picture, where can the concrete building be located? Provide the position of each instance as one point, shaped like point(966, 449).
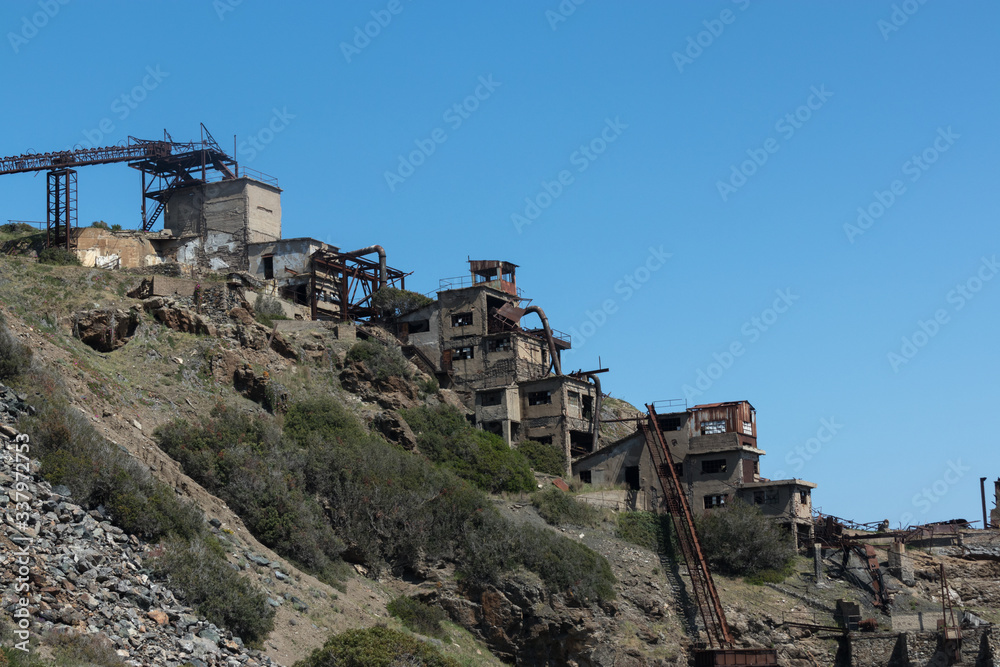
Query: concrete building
point(214, 224)
point(717, 459)
point(284, 266)
point(472, 340)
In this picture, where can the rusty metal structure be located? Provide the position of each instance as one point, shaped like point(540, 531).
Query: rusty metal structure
point(950, 629)
point(165, 166)
point(720, 648)
point(342, 284)
point(869, 559)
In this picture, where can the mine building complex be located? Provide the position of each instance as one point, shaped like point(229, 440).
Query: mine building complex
point(473, 337)
point(717, 459)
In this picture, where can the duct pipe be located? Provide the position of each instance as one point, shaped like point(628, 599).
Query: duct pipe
point(982, 491)
point(595, 423)
point(556, 364)
point(382, 270)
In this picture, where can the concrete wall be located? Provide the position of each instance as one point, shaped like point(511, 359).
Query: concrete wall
point(290, 257)
point(526, 359)
point(226, 206)
point(507, 413)
point(428, 342)
point(877, 650)
point(106, 249)
point(608, 465)
point(226, 216)
point(717, 441)
point(263, 212)
point(167, 286)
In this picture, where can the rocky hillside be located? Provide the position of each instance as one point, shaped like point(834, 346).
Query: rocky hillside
point(130, 367)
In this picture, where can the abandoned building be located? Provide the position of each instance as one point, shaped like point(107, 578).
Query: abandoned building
point(217, 217)
point(717, 459)
point(472, 340)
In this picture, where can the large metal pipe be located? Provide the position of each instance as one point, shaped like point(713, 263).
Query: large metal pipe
point(982, 491)
point(595, 423)
point(382, 270)
point(556, 364)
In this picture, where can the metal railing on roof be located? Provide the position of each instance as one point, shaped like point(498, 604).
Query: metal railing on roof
point(671, 404)
point(460, 282)
point(253, 174)
point(560, 335)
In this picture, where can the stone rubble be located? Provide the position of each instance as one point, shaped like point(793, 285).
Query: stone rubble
point(87, 576)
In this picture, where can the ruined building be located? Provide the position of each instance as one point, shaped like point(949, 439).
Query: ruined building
point(717, 459)
point(471, 337)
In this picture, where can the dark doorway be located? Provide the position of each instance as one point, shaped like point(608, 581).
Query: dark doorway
point(632, 477)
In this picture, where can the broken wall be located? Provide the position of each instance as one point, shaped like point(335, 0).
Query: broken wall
point(241, 206)
point(107, 249)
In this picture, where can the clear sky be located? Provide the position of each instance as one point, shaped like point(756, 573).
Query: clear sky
point(789, 203)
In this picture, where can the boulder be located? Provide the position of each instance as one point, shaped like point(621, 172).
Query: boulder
point(392, 425)
point(106, 329)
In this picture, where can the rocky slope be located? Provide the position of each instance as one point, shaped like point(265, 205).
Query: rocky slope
point(177, 362)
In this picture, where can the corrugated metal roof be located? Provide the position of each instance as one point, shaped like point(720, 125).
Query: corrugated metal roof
point(706, 406)
point(483, 264)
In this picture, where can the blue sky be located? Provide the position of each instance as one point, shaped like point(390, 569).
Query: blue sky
point(588, 142)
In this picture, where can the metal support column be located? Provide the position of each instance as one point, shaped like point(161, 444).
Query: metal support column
point(61, 214)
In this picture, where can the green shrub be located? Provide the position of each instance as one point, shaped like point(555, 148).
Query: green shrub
point(244, 461)
point(429, 386)
point(544, 457)
point(267, 309)
point(391, 508)
point(73, 453)
point(647, 529)
point(323, 418)
point(566, 565)
point(378, 646)
point(417, 616)
point(15, 357)
point(393, 302)
point(99, 224)
point(558, 508)
point(16, 228)
point(116, 227)
point(59, 256)
point(740, 540)
point(198, 571)
point(772, 576)
point(445, 437)
point(381, 361)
